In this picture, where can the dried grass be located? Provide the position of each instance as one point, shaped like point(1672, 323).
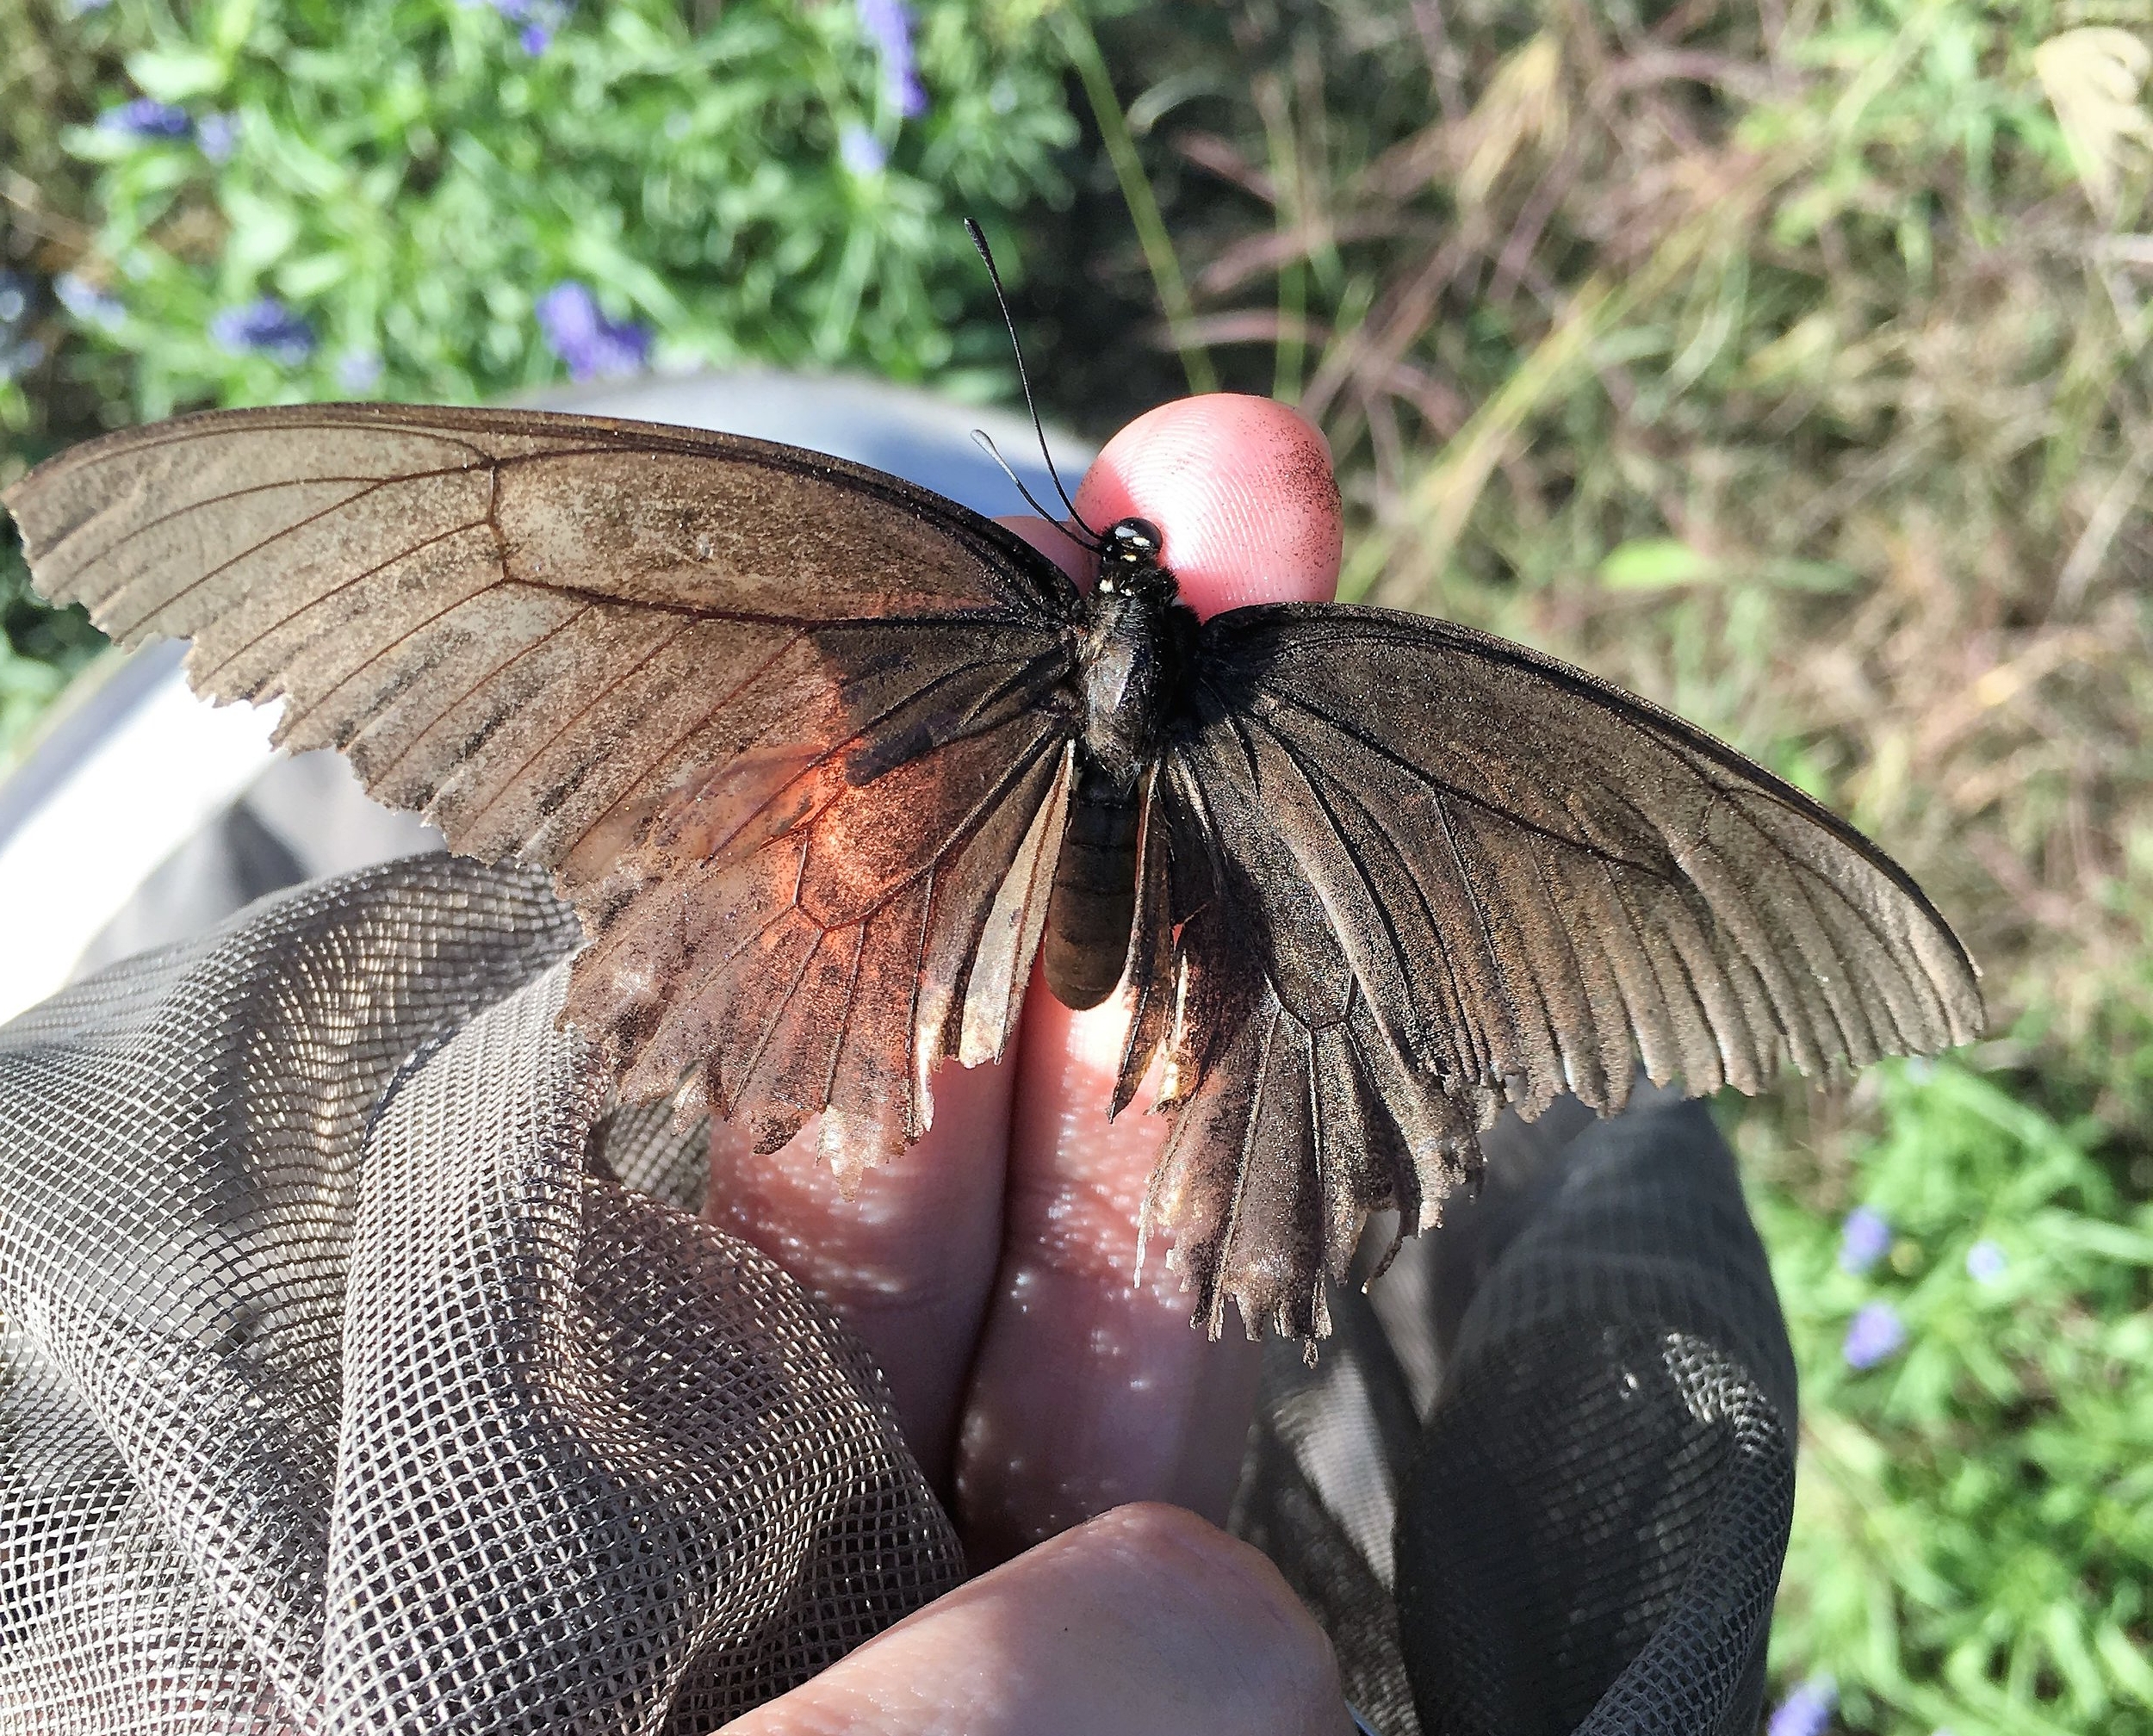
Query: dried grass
point(1824, 327)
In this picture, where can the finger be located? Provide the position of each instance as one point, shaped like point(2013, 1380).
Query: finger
point(909, 1261)
point(1242, 486)
point(1091, 1391)
point(1146, 1622)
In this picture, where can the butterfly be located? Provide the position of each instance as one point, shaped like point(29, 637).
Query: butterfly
point(824, 762)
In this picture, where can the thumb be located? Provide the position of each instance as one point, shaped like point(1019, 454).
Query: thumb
point(1242, 488)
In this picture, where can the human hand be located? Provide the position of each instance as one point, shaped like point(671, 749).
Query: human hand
point(989, 1272)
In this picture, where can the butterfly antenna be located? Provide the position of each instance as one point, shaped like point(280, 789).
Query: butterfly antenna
point(993, 276)
point(1090, 540)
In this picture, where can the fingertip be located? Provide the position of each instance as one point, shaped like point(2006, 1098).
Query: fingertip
point(1145, 1621)
point(1242, 487)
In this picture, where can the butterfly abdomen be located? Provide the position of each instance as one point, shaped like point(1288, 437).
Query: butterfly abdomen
point(1094, 901)
point(1130, 670)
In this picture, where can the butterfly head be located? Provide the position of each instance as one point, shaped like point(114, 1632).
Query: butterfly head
point(1129, 563)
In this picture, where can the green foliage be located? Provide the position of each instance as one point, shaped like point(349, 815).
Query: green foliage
point(404, 180)
point(408, 179)
point(1973, 1542)
point(39, 648)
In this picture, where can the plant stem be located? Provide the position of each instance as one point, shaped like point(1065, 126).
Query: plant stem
point(1083, 49)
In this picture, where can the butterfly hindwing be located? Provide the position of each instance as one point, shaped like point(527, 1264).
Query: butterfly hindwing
point(791, 734)
point(1452, 874)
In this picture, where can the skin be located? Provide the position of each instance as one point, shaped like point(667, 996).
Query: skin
point(1056, 1404)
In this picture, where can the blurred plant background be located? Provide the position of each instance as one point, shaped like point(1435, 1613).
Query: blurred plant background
point(1784, 360)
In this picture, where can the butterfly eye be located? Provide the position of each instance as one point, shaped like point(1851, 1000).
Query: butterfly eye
point(1135, 538)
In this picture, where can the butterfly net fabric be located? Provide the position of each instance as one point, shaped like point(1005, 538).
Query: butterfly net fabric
point(362, 1374)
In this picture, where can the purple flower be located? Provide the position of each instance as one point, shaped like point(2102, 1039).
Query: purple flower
point(540, 19)
point(88, 303)
point(78, 7)
point(217, 135)
point(1806, 1711)
point(1863, 1239)
point(18, 354)
point(889, 26)
point(266, 326)
point(861, 151)
point(17, 359)
point(1985, 1262)
point(359, 370)
point(1874, 1334)
point(593, 345)
point(147, 118)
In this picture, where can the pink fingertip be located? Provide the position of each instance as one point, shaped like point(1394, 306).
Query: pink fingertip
point(1243, 489)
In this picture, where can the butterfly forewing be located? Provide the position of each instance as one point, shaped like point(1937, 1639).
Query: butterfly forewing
point(1459, 876)
point(792, 732)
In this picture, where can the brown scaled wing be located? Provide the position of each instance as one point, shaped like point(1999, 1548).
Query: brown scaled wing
point(1420, 874)
point(792, 734)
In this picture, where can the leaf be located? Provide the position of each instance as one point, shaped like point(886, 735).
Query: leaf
point(263, 231)
point(2127, 1663)
point(173, 75)
point(1525, 104)
point(1655, 563)
point(231, 23)
point(1824, 577)
point(2092, 78)
point(301, 280)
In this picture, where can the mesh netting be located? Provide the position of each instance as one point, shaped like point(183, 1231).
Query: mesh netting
point(344, 1389)
point(358, 1375)
point(1541, 1479)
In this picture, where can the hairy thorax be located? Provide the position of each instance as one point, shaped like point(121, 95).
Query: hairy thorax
point(1138, 638)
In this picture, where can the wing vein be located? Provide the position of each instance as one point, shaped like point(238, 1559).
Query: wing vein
point(1462, 1001)
point(1421, 774)
point(1377, 901)
point(442, 712)
point(844, 1017)
point(160, 520)
point(210, 676)
point(1484, 931)
point(1246, 1159)
point(958, 835)
point(642, 667)
point(780, 1004)
point(315, 518)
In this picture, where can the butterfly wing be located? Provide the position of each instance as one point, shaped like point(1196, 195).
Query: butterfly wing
point(1422, 874)
point(791, 734)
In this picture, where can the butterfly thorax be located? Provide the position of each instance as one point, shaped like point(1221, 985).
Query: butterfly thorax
point(1137, 636)
point(1130, 646)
